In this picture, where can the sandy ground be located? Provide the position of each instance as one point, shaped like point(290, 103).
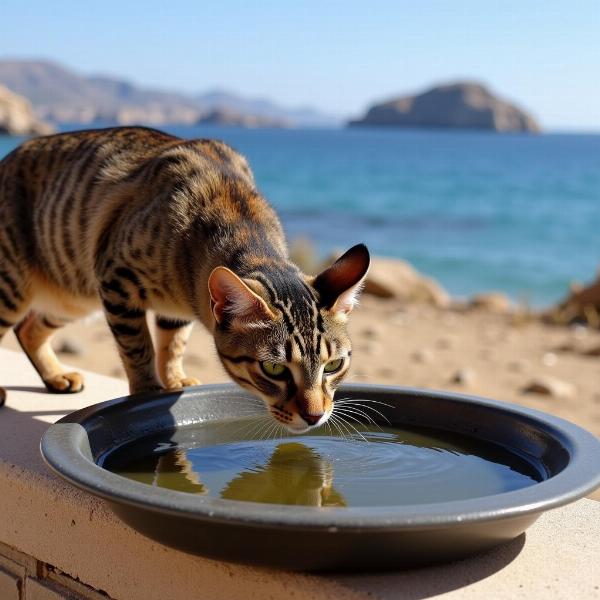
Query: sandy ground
point(416, 345)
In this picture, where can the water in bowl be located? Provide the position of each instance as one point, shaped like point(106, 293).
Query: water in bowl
point(372, 467)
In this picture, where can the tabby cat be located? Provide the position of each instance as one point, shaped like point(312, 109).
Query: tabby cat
point(132, 219)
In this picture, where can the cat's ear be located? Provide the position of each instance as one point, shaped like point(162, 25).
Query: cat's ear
point(340, 284)
point(233, 301)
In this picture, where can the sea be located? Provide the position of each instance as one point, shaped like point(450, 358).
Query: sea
point(476, 211)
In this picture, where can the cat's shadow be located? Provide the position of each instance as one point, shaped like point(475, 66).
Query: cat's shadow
point(34, 389)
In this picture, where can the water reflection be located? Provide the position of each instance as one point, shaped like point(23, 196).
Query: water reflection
point(293, 474)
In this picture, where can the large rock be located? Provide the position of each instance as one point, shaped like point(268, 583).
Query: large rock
point(394, 278)
point(16, 116)
point(582, 304)
point(459, 105)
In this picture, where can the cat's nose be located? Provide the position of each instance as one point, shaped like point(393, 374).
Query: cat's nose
point(311, 419)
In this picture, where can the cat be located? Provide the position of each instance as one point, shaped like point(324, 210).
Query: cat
point(131, 219)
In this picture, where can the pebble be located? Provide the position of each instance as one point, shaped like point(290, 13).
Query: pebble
point(519, 365)
point(496, 302)
point(567, 346)
point(370, 348)
point(444, 343)
point(551, 386)
point(579, 331)
point(423, 356)
point(68, 346)
point(549, 359)
point(486, 354)
point(386, 372)
point(465, 376)
point(372, 332)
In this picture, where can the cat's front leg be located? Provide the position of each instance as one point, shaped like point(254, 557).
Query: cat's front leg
point(171, 338)
point(127, 321)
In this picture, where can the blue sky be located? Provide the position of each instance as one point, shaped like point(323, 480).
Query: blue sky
point(336, 56)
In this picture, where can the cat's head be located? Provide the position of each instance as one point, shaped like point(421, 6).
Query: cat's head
point(282, 335)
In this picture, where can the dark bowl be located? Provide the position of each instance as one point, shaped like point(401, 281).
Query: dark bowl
point(310, 538)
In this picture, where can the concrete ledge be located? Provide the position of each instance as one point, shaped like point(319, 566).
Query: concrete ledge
point(57, 542)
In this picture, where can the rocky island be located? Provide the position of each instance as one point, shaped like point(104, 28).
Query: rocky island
point(16, 116)
point(457, 105)
point(230, 118)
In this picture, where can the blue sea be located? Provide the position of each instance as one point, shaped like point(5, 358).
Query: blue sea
point(477, 211)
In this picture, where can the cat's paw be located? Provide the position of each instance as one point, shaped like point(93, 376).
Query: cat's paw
point(177, 384)
point(65, 383)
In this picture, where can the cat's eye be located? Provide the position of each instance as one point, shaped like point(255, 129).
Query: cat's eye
point(334, 365)
point(275, 370)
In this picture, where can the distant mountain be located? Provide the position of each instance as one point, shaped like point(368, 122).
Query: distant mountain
point(61, 95)
point(220, 99)
point(230, 118)
point(456, 105)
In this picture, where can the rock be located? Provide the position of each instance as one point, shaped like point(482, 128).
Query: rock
point(395, 278)
point(465, 376)
point(68, 346)
point(495, 302)
point(423, 356)
point(551, 386)
point(456, 105)
point(17, 118)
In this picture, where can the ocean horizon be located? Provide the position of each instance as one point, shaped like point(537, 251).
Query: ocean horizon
point(476, 211)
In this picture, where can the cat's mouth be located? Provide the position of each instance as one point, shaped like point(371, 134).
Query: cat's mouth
point(296, 424)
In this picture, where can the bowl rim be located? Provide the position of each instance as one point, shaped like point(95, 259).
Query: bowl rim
point(61, 450)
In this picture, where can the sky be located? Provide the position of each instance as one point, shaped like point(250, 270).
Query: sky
point(337, 56)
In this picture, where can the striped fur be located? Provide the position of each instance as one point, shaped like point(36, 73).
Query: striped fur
point(132, 219)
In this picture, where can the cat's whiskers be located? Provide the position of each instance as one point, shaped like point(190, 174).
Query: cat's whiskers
point(364, 403)
point(345, 417)
point(357, 411)
point(337, 422)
